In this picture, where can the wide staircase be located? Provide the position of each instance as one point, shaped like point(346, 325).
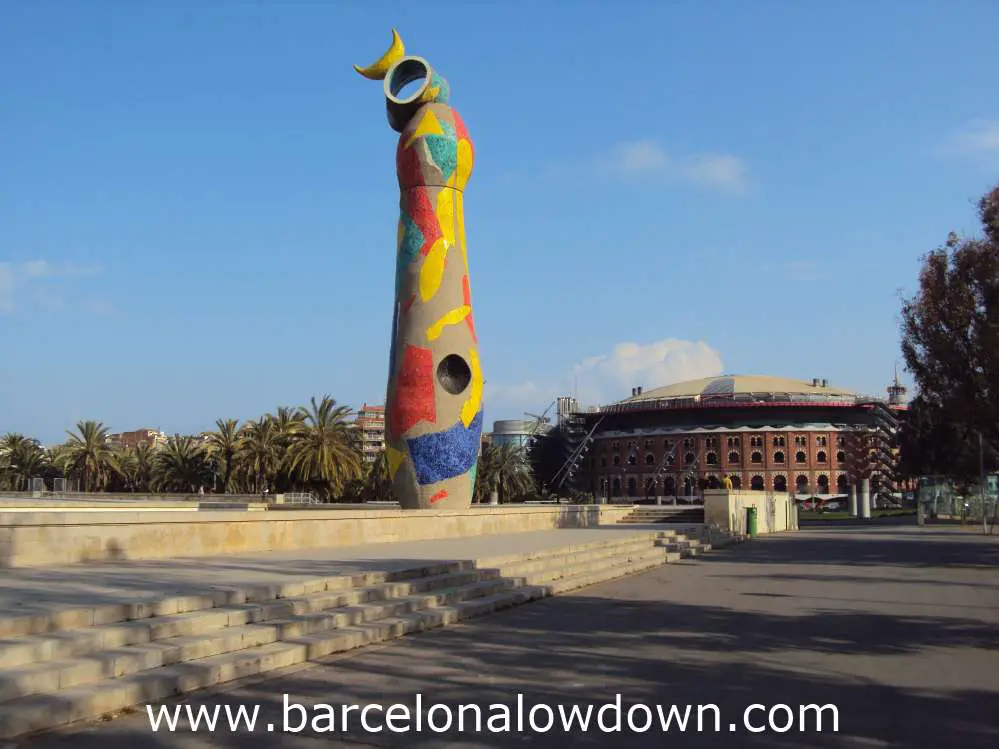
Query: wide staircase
point(76, 664)
point(680, 514)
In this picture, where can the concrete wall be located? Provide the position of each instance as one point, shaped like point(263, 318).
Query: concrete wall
point(57, 538)
point(775, 512)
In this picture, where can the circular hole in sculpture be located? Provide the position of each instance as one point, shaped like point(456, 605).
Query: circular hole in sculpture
point(454, 374)
point(408, 79)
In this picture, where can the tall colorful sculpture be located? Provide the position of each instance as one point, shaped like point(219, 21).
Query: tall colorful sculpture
point(433, 406)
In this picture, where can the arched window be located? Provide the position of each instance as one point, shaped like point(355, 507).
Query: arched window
point(632, 459)
point(632, 487)
point(756, 457)
point(820, 456)
point(650, 459)
point(840, 457)
point(713, 482)
point(756, 483)
point(617, 487)
point(688, 458)
point(779, 456)
point(737, 482)
point(733, 457)
point(617, 460)
point(799, 457)
point(650, 487)
point(801, 484)
point(841, 482)
point(711, 459)
point(669, 486)
point(780, 483)
point(823, 482)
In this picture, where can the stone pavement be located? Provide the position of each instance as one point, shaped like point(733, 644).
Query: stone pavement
point(896, 626)
point(26, 590)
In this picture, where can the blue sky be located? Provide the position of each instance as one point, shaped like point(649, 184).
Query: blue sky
point(198, 200)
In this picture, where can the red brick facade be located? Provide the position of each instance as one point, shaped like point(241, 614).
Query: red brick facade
point(814, 461)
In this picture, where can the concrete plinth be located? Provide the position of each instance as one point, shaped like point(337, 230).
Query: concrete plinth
point(853, 501)
point(40, 539)
point(865, 498)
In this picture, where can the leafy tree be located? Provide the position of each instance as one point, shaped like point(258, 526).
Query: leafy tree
point(950, 341)
point(320, 455)
point(181, 465)
point(223, 448)
point(87, 455)
point(504, 469)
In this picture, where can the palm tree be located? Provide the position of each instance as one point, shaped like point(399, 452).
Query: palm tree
point(180, 465)
point(289, 422)
point(503, 469)
point(378, 483)
point(88, 456)
point(259, 454)
point(321, 455)
point(223, 447)
point(136, 467)
point(21, 458)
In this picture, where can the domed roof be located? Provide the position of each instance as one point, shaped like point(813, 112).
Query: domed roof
point(745, 387)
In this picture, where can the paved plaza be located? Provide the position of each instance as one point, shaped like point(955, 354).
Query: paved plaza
point(898, 626)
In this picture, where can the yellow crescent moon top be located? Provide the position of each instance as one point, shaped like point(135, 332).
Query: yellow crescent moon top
point(377, 70)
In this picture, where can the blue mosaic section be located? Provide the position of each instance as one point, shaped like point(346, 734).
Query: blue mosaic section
point(444, 455)
point(444, 149)
point(409, 248)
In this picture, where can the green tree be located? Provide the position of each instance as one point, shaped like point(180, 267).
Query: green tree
point(503, 469)
point(321, 456)
point(87, 456)
point(260, 454)
point(181, 465)
point(223, 449)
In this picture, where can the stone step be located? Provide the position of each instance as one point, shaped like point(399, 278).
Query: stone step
point(79, 656)
point(53, 676)
point(83, 617)
point(42, 711)
point(562, 561)
point(77, 642)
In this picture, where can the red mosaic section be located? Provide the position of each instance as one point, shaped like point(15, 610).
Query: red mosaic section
point(414, 391)
point(421, 212)
point(459, 128)
point(442, 494)
point(408, 166)
point(466, 293)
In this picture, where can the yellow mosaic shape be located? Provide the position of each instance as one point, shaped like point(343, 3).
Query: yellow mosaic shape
point(471, 406)
point(465, 159)
point(395, 459)
point(432, 270)
point(452, 317)
point(428, 126)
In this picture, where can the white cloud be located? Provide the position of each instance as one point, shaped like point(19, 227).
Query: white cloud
point(606, 378)
point(649, 159)
point(6, 288)
point(979, 137)
point(27, 280)
point(610, 377)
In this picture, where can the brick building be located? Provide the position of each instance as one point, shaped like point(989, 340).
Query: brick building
point(370, 425)
point(131, 440)
point(764, 433)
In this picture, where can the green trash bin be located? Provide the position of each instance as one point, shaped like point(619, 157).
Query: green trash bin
point(751, 521)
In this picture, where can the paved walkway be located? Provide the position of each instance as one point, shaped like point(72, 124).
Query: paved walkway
point(897, 627)
point(31, 589)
